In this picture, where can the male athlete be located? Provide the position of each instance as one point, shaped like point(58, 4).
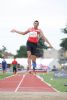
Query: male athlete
point(34, 34)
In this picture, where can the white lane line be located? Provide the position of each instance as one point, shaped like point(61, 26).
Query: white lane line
point(19, 83)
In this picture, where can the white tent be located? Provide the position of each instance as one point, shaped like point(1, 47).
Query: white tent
point(23, 61)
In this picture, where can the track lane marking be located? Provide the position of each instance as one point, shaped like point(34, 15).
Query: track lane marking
point(19, 83)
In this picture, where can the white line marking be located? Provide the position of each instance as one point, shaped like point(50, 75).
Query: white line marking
point(8, 77)
point(20, 83)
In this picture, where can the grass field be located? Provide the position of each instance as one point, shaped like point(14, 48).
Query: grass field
point(57, 83)
point(2, 76)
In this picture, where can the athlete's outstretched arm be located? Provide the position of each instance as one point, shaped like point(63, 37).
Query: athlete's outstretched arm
point(19, 32)
point(45, 39)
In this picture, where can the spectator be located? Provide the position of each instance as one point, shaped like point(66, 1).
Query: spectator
point(4, 65)
point(14, 64)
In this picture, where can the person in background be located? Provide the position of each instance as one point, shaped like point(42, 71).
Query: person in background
point(4, 65)
point(14, 64)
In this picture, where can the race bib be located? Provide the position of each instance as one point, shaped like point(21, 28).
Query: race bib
point(33, 34)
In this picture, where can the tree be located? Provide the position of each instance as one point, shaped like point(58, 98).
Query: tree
point(41, 44)
point(22, 52)
point(40, 48)
point(2, 51)
point(0, 54)
point(3, 48)
point(63, 44)
point(64, 30)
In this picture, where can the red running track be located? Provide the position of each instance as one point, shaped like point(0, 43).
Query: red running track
point(26, 83)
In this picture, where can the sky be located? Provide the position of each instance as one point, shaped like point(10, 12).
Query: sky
point(20, 15)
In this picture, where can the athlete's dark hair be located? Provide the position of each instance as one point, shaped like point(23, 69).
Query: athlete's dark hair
point(36, 21)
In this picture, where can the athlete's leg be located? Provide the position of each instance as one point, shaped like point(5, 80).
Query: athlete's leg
point(29, 45)
point(33, 57)
point(29, 59)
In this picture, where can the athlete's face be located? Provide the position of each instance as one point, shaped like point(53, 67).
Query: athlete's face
point(36, 24)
